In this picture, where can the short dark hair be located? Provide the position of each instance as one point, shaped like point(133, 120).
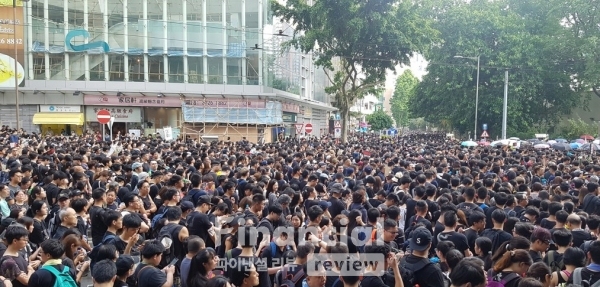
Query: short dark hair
point(562, 237)
point(131, 221)
point(152, 248)
point(15, 232)
point(173, 213)
point(110, 216)
point(54, 248)
point(468, 271)
point(104, 271)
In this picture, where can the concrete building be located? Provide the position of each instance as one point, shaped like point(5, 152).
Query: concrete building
point(199, 66)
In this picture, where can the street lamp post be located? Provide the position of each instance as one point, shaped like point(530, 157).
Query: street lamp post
point(16, 57)
point(476, 91)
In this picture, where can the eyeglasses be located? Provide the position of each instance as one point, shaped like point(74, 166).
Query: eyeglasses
point(393, 231)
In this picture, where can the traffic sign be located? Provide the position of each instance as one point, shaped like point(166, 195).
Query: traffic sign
point(337, 124)
point(485, 134)
point(298, 128)
point(308, 128)
point(337, 133)
point(484, 127)
point(103, 116)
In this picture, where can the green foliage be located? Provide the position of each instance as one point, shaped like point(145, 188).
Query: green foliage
point(358, 40)
point(404, 92)
point(525, 36)
point(379, 120)
point(574, 128)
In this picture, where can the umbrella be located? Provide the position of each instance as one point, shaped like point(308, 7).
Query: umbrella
point(469, 144)
point(561, 146)
point(586, 137)
point(551, 142)
point(541, 146)
point(561, 140)
point(575, 145)
point(581, 141)
point(499, 143)
point(596, 141)
point(514, 139)
point(588, 146)
point(484, 143)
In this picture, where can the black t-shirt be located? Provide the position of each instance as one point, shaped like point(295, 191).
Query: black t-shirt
point(580, 236)
point(535, 256)
point(459, 240)
point(488, 216)
point(59, 232)
point(98, 226)
point(512, 283)
point(39, 233)
point(198, 224)
point(11, 267)
point(545, 223)
point(150, 276)
point(472, 236)
point(42, 277)
point(52, 192)
point(497, 236)
point(371, 280)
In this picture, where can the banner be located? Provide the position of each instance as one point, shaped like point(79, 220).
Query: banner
point(11, 36)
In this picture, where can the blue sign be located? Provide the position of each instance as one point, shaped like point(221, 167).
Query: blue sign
point(84, 47)
point(51, 108)
point(485, 127)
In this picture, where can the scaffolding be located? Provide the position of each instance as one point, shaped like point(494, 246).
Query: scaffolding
point(231, 119)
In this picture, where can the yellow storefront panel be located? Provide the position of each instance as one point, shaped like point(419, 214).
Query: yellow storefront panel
point(58, 118)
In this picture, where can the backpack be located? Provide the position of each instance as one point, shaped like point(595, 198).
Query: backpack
point(578, 280)
point(94, 253)
point(287, 279)
point(165, 237)
point(408, 271)
point(502, 283)
point(554, 266)
point(4, 178)
point(274, 248)
point(63, 278)
point(158, 217)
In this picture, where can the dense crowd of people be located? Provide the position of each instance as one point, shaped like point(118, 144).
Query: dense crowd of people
point(415, 210)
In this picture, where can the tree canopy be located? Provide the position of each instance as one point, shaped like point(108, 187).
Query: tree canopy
point(357, 41)
point(525, 37)
point(379, 120)
point(404, 92)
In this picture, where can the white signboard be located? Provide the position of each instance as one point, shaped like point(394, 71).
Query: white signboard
point(135, 133)
point(59, 109)
point(121, 114)
point(168, 133)
point(337, 133)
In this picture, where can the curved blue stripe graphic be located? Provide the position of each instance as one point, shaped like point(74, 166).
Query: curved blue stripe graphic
point(84, 47)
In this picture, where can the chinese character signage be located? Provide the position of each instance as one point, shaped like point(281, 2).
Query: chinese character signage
point(11, 37)
point(225, 103)
point(135, 101)
point(121, 114)
point(59, 109)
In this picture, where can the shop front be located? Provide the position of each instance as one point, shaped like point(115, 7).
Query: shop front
point(127, 119)
point(59, 120)
point(290, 118)
point(149, 113)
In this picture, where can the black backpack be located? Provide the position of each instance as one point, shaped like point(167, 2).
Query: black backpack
point(165, 237)
point(289, 280)
point(409, 271)
point(552, 263)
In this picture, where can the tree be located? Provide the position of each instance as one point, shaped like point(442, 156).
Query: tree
point(379, 120)
point(574, 128)
point(363, 38)
point(404, 91)
point(525, 37)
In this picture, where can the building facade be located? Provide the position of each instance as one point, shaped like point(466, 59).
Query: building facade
point(198, 66)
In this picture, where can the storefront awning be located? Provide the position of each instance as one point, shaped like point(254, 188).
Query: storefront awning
point(58, 119)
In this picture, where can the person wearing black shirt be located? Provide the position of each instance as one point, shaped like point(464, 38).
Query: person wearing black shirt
point(52, 251)
point(129, 236)
point(449, 234)
point(540, 241)
point(425, 274)
point(199, 224)
point(374, 280)
point(496, 234)
point(97, 216)
point(501, 198)
point(12, 264)
point(337, 205)
point(579, 235)
point(477, 221)
point(147, 273)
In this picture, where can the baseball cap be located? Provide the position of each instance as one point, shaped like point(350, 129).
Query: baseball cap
point(204, 199)
point(63, 196)
point(136, 165)
point(186, 205)
point(336, 188)
point(420, 239)
point(324, 204)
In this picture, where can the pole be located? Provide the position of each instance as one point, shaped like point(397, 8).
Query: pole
point(476, 98)
point(103, 133)
point(505, 105)
point(16, 72)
